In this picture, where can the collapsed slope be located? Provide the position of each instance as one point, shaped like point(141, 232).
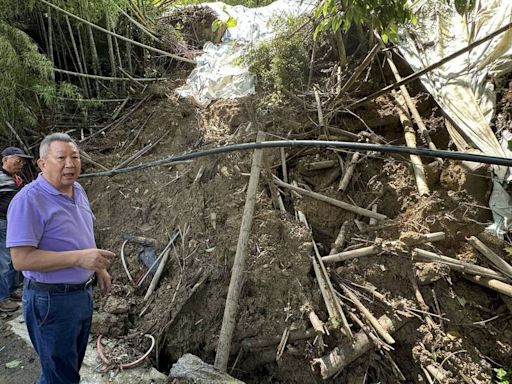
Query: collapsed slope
point(462, 329)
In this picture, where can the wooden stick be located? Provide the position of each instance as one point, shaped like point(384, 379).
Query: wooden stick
point(337, 203)
point(496, 285)
point(345, 180)
point(347, 255)
point(342, 356)
point(458, 265)
point(149, 48)
point(372, 220)
point(369, 316)
point(501, 264)
point(410, 139)
point(235, 284)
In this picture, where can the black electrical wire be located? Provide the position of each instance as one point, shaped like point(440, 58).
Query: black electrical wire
point(382, 148)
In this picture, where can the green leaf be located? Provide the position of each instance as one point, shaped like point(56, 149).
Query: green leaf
point(231, 22)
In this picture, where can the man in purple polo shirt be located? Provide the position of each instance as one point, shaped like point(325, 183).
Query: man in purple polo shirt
point(50, 235)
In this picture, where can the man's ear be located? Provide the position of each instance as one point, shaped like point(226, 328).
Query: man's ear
point(41, 164)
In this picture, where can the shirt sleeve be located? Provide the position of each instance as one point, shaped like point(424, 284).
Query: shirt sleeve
point(25, 225)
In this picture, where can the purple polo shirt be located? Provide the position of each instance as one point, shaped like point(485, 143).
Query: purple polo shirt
point(40, 216)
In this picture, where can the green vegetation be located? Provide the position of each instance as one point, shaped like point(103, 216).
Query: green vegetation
point(503, 376)
point(25, 79)
point(382, 15)
point(284, 61)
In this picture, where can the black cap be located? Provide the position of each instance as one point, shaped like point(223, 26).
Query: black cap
point(15, 151)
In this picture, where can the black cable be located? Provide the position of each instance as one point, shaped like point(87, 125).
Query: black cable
point(383, 148)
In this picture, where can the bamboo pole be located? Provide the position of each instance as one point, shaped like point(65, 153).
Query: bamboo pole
point(496, 285)
point(410, 139)
point(369, 316)
point(129, 49)
point(82, 52)
point(156, 50)
point(111, 54)
point(342, 356)
point(329, 200)
point(95, 59)
point(341, 239)
point(340, 315)
point(235, 284)
point(501, 264)
point(283, 165)
point(352, 254)
point(158, 273)
point(412, 107)
point(106, 78)
point(345, 180)
point(416, 75)
point(50, 35)
point(360, 68)
point(458, 265)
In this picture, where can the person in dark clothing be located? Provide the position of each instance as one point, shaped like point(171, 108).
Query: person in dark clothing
point(13, 160)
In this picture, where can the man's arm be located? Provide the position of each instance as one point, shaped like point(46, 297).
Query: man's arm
point(34, 259)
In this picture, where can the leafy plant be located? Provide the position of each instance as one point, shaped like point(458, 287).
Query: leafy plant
point(221, 25)
point(283, 61)
point(381, 15)
point(25, 78)
point(503, 376)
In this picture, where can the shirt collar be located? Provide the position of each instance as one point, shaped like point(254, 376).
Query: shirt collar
point(50, 188)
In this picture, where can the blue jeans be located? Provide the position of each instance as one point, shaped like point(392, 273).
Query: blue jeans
point(9, 277)
point(59, 326)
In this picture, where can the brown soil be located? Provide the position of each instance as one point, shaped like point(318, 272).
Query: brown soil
point(204, 200)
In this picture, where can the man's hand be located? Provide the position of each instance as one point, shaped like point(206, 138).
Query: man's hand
point(95, 259)
point(104, 280)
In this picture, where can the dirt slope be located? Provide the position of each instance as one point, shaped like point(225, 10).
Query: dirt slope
point(469, 331)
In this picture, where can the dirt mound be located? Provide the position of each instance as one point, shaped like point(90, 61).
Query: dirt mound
point(458, 329)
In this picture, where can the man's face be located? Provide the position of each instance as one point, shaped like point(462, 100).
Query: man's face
point(13, 164)
point(61, 167)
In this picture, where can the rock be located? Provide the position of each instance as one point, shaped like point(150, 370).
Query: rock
point(192, 370)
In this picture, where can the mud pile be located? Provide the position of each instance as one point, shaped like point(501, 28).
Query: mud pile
point(457, 331)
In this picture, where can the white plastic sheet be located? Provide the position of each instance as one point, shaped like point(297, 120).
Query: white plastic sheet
point(218, 73)
point(464, 86)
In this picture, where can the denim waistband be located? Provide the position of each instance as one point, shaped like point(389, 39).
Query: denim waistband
point(59, 287)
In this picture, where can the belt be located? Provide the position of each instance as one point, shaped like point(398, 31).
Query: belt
point(59, 287)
